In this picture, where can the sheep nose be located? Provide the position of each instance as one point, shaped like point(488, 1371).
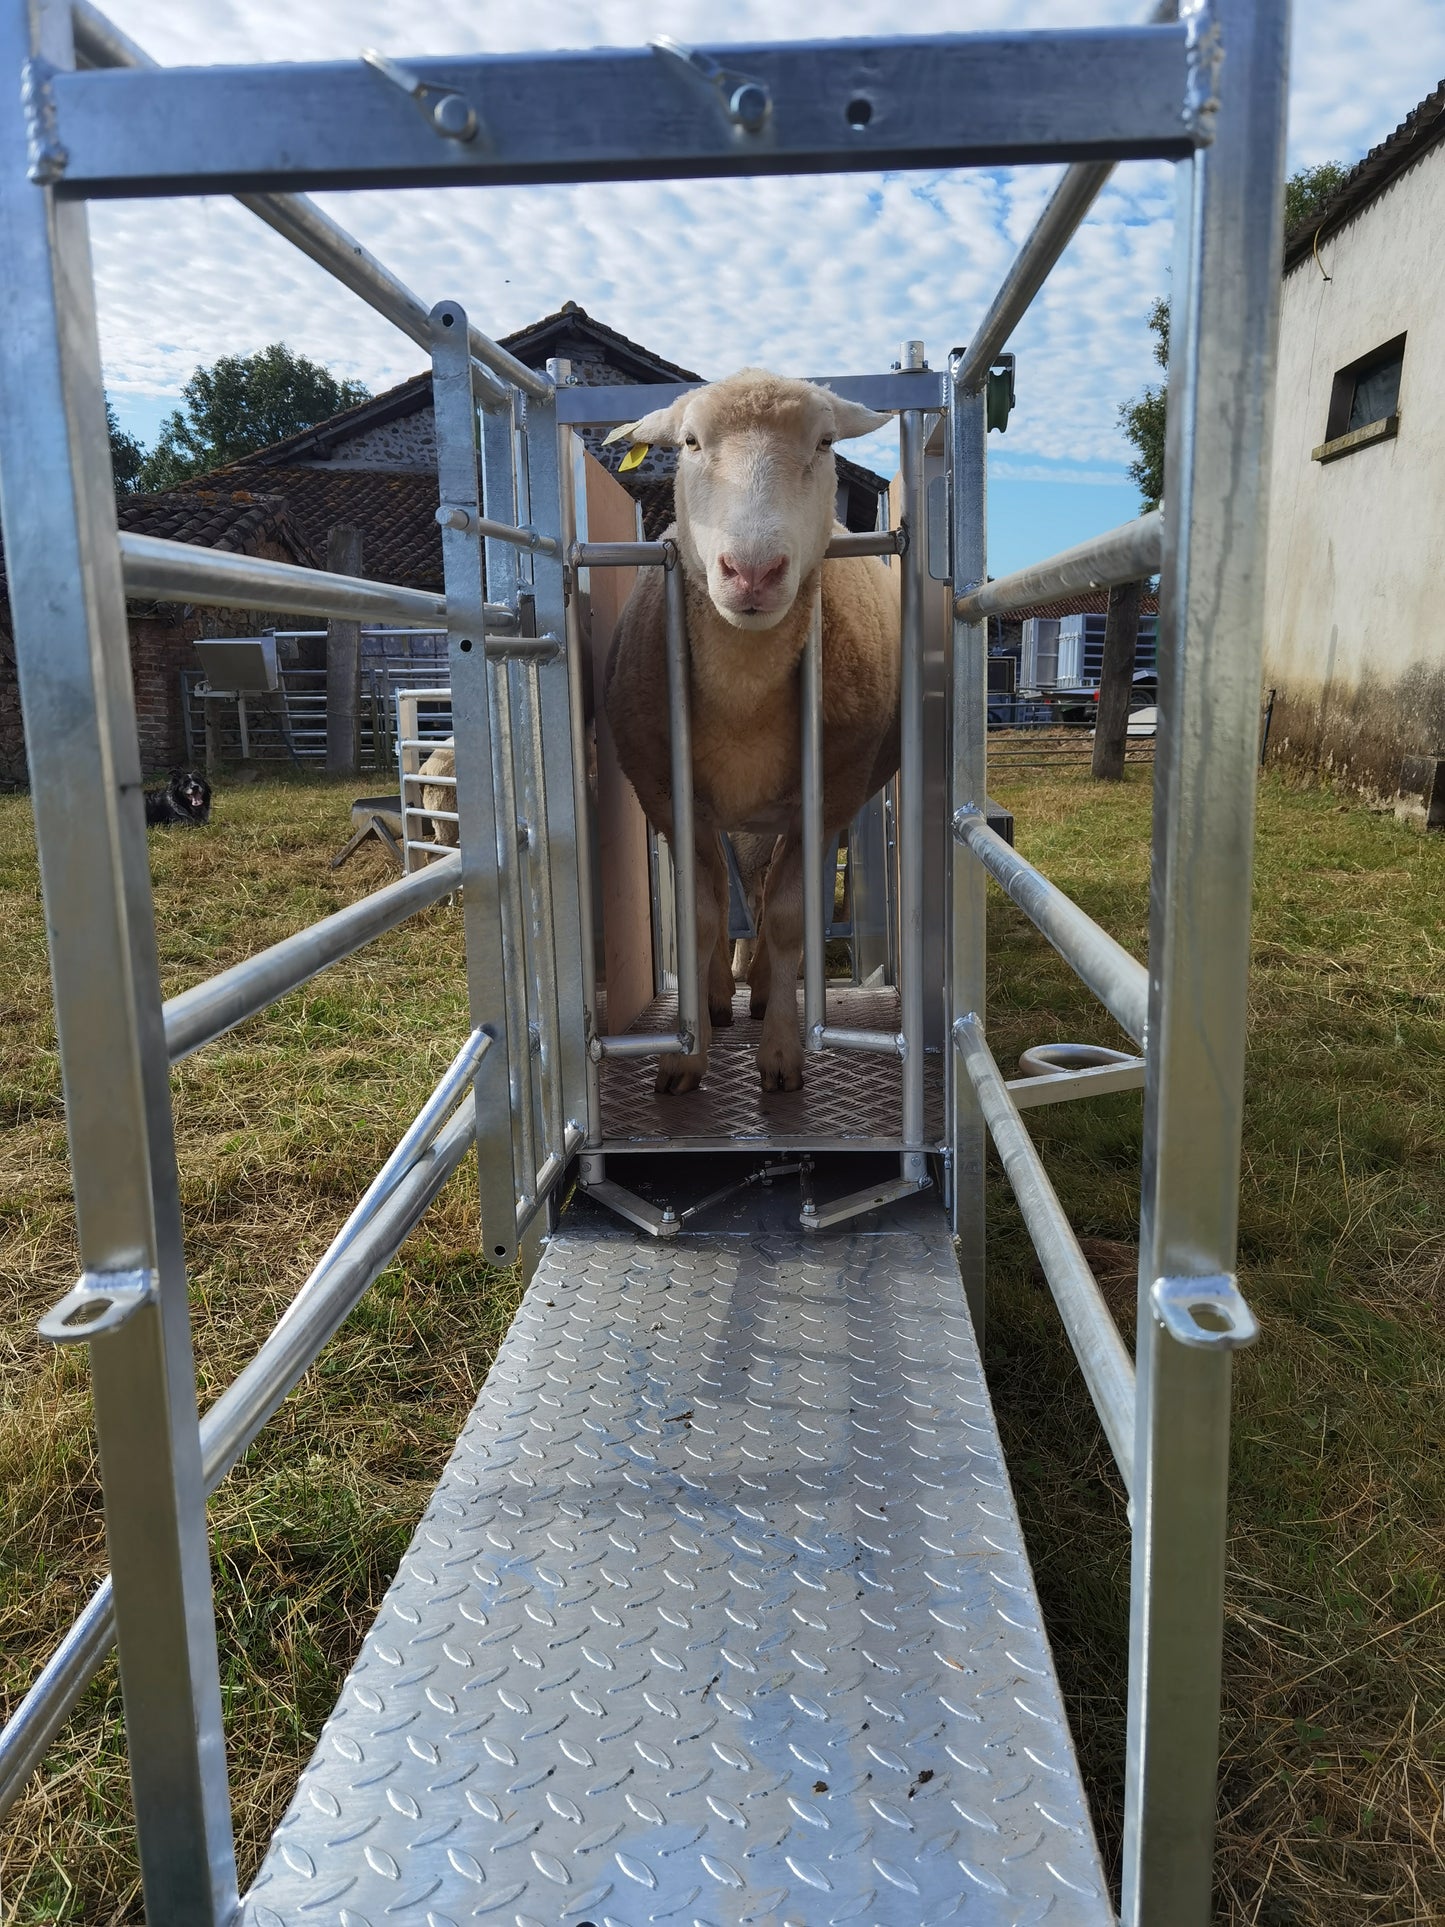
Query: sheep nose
point(754, 578)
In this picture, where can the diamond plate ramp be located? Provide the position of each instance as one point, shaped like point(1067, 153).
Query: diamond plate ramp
point(719, 1614)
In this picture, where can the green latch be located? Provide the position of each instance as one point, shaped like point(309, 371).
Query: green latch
point(999, 395)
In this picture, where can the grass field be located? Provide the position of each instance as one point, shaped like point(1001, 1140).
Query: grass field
point(1333, 1735)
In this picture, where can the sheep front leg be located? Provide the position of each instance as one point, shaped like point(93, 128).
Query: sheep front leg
point(677, 1073)
point(780, 1054)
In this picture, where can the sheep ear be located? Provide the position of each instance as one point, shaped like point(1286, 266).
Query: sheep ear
point(852, 418)
point(662, 428)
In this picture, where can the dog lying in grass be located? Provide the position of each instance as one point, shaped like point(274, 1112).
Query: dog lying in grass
point(186, 798)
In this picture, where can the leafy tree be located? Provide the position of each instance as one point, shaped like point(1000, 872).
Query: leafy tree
point(240, 404)
point(1307, 190)
point(127, 456)
point(1142, 420)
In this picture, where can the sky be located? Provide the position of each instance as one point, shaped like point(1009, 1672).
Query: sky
point(817, 275)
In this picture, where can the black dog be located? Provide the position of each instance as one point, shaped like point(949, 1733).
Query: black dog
point(186, 798)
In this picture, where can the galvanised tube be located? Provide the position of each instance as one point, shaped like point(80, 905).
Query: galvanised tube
point(884, 1042)
point(207, 1011)
point(810, 706)
point(867, 542)
point(618, 555)
point(639, 1043)
point(545, 923)
point(1103, 1359)
point(515, 936)
point(684, 845)
point(519, 537)
point(297, 219)
point(1119, 981)
point(910, 791)
point(230, 1426)
point(1126, 554)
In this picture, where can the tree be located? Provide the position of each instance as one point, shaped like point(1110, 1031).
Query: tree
point(127, 456)
point(1142, 420)
point(1307, 190)
point(240, 404)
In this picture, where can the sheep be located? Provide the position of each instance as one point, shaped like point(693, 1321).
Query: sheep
point(441, 796)
point(755, 491)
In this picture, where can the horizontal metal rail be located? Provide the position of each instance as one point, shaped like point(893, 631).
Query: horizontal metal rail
point(653, 555)
point(640, 1043)
point(1125, 554)
point(1036, 259)
point(208, 1010)
point(451, 516)
point(228, 1428)
point(1106, 1365)
point(607, 407)
point(157, 570)
point(1111, 93)
point(1119, 981)
point(884, 1042)
point(99, 43)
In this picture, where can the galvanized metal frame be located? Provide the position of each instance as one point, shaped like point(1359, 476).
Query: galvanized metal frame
point(1156, 91)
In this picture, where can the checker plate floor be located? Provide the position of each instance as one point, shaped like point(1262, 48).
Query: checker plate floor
point(720, 1613)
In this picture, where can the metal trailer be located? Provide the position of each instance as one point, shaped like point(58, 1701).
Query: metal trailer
point(721, 1610)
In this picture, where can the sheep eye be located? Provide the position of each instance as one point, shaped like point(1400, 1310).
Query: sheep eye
point(827, 442)
point(689, 441)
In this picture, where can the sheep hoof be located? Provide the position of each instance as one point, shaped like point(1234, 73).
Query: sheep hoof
point(758, 1007)
point(781, 1069)
point(721, 1014)
point(678, 1074)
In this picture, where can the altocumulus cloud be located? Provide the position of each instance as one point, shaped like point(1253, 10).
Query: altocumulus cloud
point(824, 275)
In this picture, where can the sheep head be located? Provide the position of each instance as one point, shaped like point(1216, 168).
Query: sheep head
point(756, 485)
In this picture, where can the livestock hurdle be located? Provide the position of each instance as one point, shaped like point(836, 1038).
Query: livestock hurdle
point(526, 1086)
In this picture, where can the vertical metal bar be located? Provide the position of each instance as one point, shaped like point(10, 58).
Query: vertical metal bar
point(967, 430)
point(912, 584)
point(1225, 313)
point(505, 584)
point(579, 668)
point(810, 705)
point(562, 774)
point(684, 845)
point(456, 432)
point(512, 857)
point(540, 871)
point(68, 605)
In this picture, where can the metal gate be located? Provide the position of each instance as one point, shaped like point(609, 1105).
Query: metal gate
point(528, 1085)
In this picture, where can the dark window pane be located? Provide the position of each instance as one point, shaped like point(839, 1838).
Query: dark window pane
point(1377, 393)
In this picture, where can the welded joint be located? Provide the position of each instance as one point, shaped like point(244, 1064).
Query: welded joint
point(814, 1040)
point(1206, 1314)
point(100, 1302)
point(47, 156)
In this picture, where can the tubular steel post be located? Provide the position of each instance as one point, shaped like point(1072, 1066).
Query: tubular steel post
point(578, 669)
point(504, 575)
point(455, 411)
point(1226, 295)
point(967, 429)
point(811, 712)
point(562, 782)
point(684, 844)
point(912, 586)
point(68, 605)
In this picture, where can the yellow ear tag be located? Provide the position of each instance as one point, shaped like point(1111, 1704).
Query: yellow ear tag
point(635, 457)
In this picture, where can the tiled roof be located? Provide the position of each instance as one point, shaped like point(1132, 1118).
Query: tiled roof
point(214, 518)
point(1421, 129)
point(394, 508)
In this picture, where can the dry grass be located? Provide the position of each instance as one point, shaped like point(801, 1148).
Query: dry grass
point(1331, 1794)
point(1333, 1736)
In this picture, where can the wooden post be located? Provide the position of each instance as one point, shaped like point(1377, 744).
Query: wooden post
point(1121, 635)
point(343, 662)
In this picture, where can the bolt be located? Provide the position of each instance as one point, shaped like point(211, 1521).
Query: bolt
point(454, 118)
point(750, 106)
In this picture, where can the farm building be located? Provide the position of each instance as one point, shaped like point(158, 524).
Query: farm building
point(373, 468)
point(1354, 647)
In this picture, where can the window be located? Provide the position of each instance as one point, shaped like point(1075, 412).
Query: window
point(1364, 401)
